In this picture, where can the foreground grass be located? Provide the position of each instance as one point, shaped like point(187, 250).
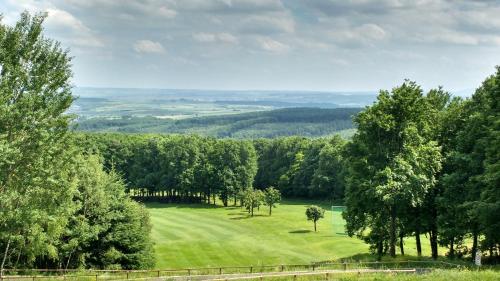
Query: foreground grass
point(437, 275)
point(204, 236)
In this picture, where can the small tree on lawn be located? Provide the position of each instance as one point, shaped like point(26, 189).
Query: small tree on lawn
point(252, 199)
point(314, 213)
point(271, 197)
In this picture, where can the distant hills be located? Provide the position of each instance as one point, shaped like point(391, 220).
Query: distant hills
point(236, 114)
point(310, 122)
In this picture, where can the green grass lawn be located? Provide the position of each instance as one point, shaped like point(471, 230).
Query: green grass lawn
point(190, 235)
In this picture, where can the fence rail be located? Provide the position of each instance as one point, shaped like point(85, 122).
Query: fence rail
point(95, 275)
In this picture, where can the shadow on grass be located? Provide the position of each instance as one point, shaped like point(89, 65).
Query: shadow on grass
point(160, 205)
point(246, 217)
point(237, 214)
point(300, 231)
point(157, 205)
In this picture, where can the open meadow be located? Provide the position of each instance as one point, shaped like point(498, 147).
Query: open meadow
point(188, 235)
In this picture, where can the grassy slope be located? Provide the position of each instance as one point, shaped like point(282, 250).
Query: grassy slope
point(201, 236)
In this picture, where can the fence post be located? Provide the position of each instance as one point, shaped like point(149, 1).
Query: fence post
point(220, 270)
point(251, 269)
point(314, 267)
point(345, 266)
point(96, 277)
point(282, 268)
point(158, 273)
point(326, 275)
point(127, 275)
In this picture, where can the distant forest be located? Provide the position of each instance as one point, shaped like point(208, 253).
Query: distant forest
point(311, 122)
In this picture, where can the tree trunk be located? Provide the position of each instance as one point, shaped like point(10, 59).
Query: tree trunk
point(251, 208)
point(417, 233)
point(474, 244)
point(314, 226)
point(270, 209)
point(224, 200)
point(380, 250)
point(419, 244)
point(434, 244)
point(4, 258)
point(392, 234)
point(401, 244)
point(434, 231)
point(451, 255)
point(67, 263)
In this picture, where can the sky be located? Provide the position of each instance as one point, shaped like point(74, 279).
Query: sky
point(315, 45)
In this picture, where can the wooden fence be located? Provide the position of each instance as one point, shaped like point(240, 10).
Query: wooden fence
point(96, 275)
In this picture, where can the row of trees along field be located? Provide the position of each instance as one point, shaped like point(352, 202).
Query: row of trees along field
point(195, 168)
point(58, 207)
point(427, 164)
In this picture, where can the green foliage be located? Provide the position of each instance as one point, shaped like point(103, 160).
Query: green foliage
point(36, 181)
point(271, 197)
point(470, 200)
point(252, 199)
point(57, 208)
point(393, 163)
point(108, 229)
point(301, 167)
point(315, 213)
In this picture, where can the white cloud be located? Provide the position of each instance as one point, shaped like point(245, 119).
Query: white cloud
point(148, 46)
point(215, 37)
point(271, 45)
point(266, 24)
point(227, 38)
point(204, 37)
point(366, 34)
point(167, 12)
point(71, 29)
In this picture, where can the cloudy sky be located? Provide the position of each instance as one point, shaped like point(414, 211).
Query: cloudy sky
point(333, 45)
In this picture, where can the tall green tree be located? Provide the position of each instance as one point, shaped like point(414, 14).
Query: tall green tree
point(36, 182)
point(393, 162)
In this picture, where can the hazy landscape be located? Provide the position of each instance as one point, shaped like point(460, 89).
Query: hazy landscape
point(270, 140)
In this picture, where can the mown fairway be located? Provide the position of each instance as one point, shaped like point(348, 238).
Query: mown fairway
point(202, 236)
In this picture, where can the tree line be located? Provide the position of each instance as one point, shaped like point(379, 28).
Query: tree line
point(427, 163)
point(193, 168)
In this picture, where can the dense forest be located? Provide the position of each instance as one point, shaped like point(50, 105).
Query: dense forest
point(194, 168)
point(263, 124)
point(419, 163)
